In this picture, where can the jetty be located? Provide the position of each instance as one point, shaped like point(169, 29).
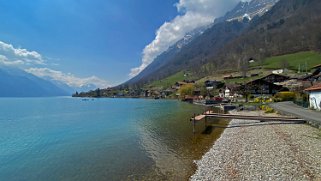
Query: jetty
point(210, 114)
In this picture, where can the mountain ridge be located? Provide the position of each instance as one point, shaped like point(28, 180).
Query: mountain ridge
point(18, 83)
point(207, 45)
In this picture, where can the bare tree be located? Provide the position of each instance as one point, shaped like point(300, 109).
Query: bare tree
point(244, 66)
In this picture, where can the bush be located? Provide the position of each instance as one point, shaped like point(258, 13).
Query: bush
point(267, 109)
point(186, 90)
point(263, 100)
point(284, 96)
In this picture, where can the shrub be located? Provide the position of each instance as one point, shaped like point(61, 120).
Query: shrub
point(284, 96)
point(263, 100)
point(186, 90)
point(267, 109)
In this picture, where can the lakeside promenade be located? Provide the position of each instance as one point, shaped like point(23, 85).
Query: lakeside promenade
point(263, 151)
point(289, 108)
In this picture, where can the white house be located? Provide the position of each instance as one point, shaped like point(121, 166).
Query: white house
point(227, 92)
point(315, 96)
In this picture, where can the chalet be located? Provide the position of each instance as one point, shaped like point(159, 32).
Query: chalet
point(232, 77)
point(178, 85)
point(228, 77)
point(197, 92)
point(315, 96)
point(189, 81)
point(213, 84)
point(275, 78)
point(261, 86)
point(315, 76)
point(168, 92)
point(230, 90)
point(279, 71)
point(254, 75)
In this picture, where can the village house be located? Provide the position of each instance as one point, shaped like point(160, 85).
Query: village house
point(230, 91)
point(213, 84)
point(315, 96)
point(261, 86)
point(275, 78)
point(315, 76)
point(179, 84)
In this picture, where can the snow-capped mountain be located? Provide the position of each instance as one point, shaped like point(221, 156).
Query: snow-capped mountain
point(195, 39)
point(248, 9)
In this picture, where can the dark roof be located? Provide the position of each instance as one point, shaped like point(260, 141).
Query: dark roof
point(278, 75)
point(317, 66)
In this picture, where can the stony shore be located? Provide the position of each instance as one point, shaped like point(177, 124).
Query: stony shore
point(250, 150)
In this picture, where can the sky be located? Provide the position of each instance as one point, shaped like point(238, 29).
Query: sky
point(102, 42)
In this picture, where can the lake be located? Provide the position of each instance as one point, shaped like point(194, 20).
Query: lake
point(66, 138)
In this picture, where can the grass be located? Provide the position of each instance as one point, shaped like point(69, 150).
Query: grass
point(308, 58)
point(302, 59)
point(169, 81)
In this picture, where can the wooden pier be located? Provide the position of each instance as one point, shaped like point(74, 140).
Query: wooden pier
point(210, 114)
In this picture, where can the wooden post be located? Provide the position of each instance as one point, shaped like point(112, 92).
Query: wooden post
point(205, 121)
point(194, 123)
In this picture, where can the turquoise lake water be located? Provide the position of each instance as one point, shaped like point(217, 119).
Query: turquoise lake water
point(98, 139)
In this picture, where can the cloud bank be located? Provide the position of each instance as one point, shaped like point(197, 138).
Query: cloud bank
point(18, 56)
point(193, 14)
point(32, 62)
point(68, 78)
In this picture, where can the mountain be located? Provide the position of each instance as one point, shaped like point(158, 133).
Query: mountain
point(248, 9)
point(18, 83)
point(201, 47)
point(290, 26)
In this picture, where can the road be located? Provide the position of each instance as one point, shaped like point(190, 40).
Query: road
point(313, 117)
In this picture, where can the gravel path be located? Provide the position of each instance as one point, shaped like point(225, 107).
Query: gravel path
point(263, 152)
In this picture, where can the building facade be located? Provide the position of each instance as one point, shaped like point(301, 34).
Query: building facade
point(315, 97)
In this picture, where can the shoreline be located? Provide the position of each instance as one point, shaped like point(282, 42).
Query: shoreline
point(262, 151)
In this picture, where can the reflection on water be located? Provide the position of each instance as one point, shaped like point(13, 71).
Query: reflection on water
point(168, 139)
point(103, 139)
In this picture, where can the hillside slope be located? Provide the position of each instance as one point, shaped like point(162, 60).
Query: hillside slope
point(290, 26)
point(18, 83)
point(202, 44)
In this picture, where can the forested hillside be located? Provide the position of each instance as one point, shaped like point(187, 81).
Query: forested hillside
point(290, 26)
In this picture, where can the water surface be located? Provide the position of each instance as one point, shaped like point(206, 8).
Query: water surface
point(99, 139)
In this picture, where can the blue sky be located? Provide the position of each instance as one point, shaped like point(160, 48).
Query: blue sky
point(104, 39)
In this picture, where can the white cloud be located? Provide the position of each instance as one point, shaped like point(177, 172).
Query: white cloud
point(24, 59)
point(4, 60)
point(69, 79)
point(195, 13)
point(18, 56)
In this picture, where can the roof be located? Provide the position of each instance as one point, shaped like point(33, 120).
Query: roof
point(278, 75)
point(316, 87)
point(317, 66)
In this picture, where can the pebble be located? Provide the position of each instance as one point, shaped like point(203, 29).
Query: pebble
point(258, 151)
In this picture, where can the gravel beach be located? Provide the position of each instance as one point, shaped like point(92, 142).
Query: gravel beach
point(250, 150)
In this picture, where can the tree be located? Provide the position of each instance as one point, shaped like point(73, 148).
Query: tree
point(98, 93)
point(244, 67)
point(186, 90)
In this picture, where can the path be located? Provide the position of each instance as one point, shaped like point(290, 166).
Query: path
point(313, 117)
